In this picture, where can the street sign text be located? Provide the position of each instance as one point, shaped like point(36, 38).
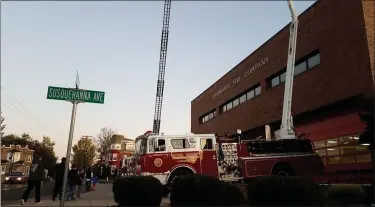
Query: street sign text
point(70, 94)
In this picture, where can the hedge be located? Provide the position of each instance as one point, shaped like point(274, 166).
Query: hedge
point(340, 195)
point(202, 190)
point(138, 191)
point(283, 191)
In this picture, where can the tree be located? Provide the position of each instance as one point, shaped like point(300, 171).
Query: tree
point(104, 140)
point(2, 127)
point(83, 153)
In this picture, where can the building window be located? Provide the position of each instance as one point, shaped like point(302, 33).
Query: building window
point(229, 106)
point(236, 102)
point(313, 61)
point(257, 91)
point(114, 157)
point(282, 77)
point(242, 98)
point(300, 68)
point(304, 64)
point(208, 117)
point(342, 150)
point(275, 81)
point(27, 169)
point(250, 95)
point(180, 143)
point(28, 158)
point(113, 169)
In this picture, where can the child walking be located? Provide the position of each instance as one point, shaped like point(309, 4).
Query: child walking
point(94, 181)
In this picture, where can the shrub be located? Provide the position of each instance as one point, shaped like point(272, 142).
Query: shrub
point(230, 195)
point(138, 191)
point(340, 195)
point(203, 190)
point(283, 191)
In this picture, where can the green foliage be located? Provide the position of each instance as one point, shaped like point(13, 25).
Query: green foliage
point(83, 153)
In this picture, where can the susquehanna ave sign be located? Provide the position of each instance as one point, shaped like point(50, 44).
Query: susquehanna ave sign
point(70, 94)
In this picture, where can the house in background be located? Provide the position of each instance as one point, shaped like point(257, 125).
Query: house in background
point(15, 158)
point(120, 147)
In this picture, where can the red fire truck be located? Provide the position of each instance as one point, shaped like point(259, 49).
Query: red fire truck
point(227, 158)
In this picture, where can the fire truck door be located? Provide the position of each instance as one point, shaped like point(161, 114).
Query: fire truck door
point(208, 157)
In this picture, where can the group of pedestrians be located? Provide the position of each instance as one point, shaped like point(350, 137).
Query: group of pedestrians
point(76, 178)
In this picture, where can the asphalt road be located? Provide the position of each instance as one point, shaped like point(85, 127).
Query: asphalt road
point(10, 186)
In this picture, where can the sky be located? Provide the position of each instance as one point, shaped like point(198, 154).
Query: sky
point(115, 46)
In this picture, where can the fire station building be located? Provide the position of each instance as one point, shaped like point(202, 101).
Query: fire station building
point(332, 84)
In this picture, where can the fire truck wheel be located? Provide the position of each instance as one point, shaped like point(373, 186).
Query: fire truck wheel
point(282, 169)
point(179, 172)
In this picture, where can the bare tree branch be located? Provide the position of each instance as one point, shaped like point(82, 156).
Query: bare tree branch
point(104, 140)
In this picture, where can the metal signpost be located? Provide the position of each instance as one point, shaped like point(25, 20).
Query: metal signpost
point(75, 96)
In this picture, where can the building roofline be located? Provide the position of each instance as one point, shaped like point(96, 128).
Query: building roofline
point(256, 50)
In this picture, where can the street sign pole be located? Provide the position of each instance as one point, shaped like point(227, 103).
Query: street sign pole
point(68, 152)
point(75, 96)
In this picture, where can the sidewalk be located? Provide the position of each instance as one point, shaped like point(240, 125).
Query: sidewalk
point(102, 196)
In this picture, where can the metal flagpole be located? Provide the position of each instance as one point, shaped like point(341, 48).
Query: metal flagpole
point(69, 149)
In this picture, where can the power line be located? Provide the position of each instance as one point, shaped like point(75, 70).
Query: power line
point(29, 116)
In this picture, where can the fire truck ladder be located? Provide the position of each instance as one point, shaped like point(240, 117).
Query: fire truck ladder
point(162, 63)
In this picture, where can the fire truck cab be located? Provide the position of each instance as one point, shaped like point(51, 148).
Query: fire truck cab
point(168, 156)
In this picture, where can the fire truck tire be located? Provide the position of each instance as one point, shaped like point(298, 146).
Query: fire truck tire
point(282, 169)
point(179, 172)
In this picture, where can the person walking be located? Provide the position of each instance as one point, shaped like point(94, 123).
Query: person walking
point(88, 179)
point(59, 179)
point(72, 181)
point(36, 175)
point(81, 178)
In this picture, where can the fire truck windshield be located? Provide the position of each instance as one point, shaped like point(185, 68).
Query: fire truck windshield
point(141, 146)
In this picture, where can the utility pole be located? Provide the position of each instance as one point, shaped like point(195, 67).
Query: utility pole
point(69, 149)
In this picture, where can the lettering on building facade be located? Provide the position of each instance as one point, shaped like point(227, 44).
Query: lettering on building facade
point(236, 80)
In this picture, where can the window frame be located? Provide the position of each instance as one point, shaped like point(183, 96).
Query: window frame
point(184, 143)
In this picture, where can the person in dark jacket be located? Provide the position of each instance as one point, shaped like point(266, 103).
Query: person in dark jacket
point(72, 181)
point(88, 179)
point(59, 178)
point(36, 175)
point(81, 176)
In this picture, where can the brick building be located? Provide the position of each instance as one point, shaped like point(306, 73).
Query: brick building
point(334, 60)
point(15, 158)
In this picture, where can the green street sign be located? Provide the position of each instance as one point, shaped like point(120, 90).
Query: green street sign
point(71, 94)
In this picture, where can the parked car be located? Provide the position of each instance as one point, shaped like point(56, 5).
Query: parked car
point(15, 177)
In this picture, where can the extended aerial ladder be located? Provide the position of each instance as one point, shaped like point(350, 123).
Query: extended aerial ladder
point(162, 64)
point(287, 128)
